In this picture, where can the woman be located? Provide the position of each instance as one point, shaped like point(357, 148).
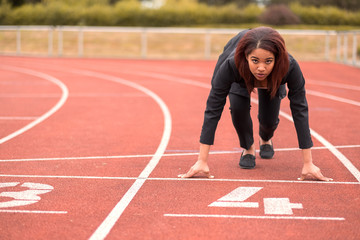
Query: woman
point(256, 58)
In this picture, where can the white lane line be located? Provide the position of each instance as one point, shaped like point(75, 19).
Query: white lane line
point(255, 217)
point(332, 97)
point(184, 153)
point(103, 230)
point(333, 84)
point(58, 105)
point(33, 211)
point(346, 162)
point(176, 179)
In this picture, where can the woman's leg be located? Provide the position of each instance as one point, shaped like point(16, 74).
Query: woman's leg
point(240, 114)
point(268, 114)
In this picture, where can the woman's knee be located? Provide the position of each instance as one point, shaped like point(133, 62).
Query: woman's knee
point(239, 106)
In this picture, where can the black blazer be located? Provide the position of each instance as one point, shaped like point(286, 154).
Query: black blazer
point(226, 79)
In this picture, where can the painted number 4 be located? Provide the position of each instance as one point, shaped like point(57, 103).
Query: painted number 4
point(238, 197)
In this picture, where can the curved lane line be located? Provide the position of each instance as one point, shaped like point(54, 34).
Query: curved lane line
point(344, 160)
point(103, 230)
point(59, 104)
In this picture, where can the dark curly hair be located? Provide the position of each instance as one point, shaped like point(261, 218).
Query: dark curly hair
point(268, 39)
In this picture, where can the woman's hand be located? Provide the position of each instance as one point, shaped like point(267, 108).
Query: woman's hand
point(310, 171)
point(200, 167)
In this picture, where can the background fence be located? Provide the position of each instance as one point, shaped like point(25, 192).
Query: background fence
point(165, 43)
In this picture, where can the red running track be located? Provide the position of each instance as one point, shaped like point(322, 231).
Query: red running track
point(91, 149)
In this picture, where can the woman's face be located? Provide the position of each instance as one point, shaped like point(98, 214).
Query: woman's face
point(261, 63)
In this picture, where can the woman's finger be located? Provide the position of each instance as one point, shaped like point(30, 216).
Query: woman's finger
point(321, 177)
point(193, 173)
point(318, 176)
point(302, 178)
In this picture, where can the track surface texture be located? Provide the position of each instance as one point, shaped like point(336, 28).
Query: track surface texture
point(91, 149)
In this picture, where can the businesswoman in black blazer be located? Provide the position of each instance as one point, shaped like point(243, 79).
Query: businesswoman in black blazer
point(256, 59)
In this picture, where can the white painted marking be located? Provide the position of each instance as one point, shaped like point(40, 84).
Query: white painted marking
point(178, 179)
point(37, 186)
point(9, 184)
point(235, 204)
point(237, 197)
point(280, 206)
point(58, 105)
point(346, 162)
point(192, 153)
point(240, 194)
point(332, 97)
point(103, 230)
point(26, 197)
point(333, 84)
point(255, 217)
point(32, 211)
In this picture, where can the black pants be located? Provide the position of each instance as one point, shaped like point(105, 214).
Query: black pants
point(268, 116)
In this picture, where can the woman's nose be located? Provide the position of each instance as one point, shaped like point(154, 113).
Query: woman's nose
point(261, 67)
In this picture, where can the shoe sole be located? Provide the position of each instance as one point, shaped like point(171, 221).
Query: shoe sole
point(267, 157)
point(243, 167)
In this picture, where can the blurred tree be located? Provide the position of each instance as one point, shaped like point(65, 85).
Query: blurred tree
point(240, 3)
point(16, 3)
point(343, 4)
point(279, 14)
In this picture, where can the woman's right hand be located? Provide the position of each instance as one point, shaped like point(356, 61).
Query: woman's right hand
point(200, 167)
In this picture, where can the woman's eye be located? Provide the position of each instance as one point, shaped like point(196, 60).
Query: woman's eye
point(255, 61)
point(269, 61)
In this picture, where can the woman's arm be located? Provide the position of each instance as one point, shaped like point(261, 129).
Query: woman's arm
point(299, 110)
point(309, 169)
point(201, 166)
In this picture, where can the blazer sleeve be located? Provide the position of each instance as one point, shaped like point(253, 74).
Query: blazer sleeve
point(299, 105)
point(220, 86)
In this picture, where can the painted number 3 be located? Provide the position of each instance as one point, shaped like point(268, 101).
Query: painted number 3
point(21, 198)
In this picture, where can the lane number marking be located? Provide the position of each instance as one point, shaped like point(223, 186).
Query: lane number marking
point(25, 197)
point(238, 197)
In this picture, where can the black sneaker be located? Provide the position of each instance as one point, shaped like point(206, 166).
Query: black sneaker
point(267, 151)
point(247, 161)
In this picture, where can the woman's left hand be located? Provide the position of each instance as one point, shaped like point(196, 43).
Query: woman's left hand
point(311, 171)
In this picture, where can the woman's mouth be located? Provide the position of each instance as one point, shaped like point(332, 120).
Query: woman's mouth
point(260, 76)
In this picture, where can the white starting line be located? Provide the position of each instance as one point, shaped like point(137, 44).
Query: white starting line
point(177, 179)
point(254, 217)
point(177, 153)
point(33, 211)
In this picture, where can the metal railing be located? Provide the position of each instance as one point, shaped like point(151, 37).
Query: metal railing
point(138, 42)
